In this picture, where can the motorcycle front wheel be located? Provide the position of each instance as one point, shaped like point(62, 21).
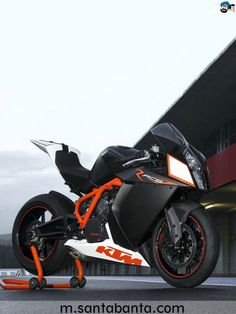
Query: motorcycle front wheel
point(193, 259)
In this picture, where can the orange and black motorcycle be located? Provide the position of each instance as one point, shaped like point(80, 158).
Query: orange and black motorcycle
point(134, 207)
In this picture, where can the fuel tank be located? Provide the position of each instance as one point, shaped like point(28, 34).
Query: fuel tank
point(111, 161)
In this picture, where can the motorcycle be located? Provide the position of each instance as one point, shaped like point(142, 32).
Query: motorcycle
point(136, 207)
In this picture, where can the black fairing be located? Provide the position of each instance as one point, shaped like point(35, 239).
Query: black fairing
point(111, 161)
point(135, 209)
point(118, 234)
point(63, 201)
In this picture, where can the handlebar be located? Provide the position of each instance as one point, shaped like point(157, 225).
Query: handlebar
point(149, 156)
point(130, 162)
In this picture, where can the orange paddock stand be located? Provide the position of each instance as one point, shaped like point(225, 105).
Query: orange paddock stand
point(40, 281)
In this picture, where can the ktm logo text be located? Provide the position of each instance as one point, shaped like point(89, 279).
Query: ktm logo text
point(119, 255)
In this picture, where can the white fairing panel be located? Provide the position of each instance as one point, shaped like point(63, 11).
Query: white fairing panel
point(51, 148)
point(107, 250)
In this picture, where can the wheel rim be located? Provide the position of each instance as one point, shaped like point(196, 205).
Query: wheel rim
point(32, 217)
point(184, 260)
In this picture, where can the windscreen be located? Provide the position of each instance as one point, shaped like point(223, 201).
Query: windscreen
point(169, 138)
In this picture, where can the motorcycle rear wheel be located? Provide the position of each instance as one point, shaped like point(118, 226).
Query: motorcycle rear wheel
point(192, 261)
point(53, 254)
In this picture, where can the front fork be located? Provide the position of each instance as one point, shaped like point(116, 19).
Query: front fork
point(176, 215)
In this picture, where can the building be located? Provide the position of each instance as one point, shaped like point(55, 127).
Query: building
point(206, 115)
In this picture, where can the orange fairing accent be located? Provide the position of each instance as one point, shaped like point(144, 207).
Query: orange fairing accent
point(140, 172)
point(177, 177)
point(118, 255)
point(96, 195)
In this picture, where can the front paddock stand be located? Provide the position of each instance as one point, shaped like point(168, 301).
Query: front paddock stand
point(40, 282)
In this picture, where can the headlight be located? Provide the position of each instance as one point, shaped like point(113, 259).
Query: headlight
point(179, 170)
point(191, 160)
point(196, 168)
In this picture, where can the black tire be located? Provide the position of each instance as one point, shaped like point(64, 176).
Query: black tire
point(43, 284)
point(83, 282)
point(58, 255)
point(34, 283)
point(205, 251)
point(74, 282)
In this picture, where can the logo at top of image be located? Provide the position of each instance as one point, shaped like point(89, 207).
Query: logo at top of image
point(226, 6)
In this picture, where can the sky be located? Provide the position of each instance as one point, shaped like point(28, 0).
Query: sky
point(92, 74)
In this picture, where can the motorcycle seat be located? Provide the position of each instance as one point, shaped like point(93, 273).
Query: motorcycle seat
point(108, 163)
point(74, 174)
